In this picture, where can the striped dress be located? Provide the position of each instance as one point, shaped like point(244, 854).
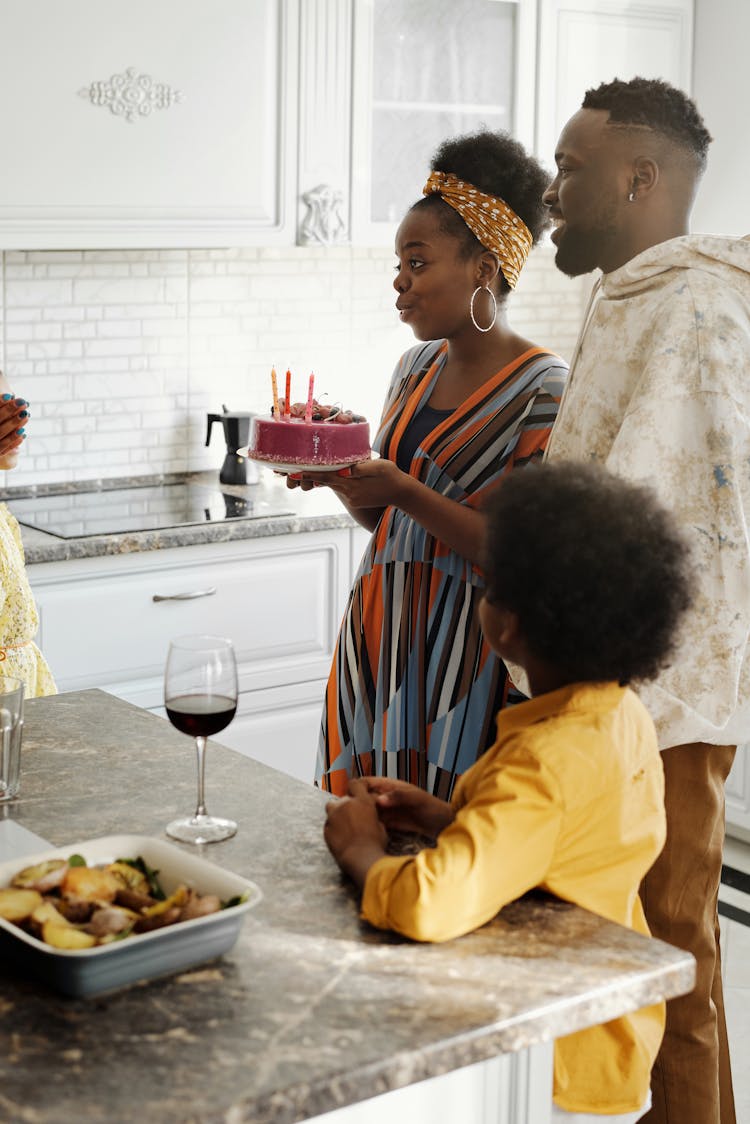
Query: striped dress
point(414, 689)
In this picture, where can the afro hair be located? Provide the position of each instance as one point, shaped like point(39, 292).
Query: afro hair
point(595, 568)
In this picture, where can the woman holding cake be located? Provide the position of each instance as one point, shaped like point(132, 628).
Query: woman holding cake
point(414, 689)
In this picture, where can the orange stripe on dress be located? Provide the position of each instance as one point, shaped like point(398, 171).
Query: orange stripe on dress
point(413, 399)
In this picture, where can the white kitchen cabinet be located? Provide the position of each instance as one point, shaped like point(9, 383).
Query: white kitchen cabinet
point(510, 1089)
point(432, 69)
point(425, 71)
point(279, 599)
point(183, 124)
point(324, 147)
point(585, 42)
point(147, 124)
point(738, 796)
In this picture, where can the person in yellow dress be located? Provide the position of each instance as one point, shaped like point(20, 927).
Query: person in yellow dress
point(587, 577)
point(19, 620)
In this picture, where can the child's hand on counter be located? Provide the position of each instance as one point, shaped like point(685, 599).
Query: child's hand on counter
point(403, 806)
point(354, 834)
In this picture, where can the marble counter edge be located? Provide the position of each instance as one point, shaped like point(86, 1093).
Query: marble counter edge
point(317, 511)
point(41, 547)
point(402, 1068)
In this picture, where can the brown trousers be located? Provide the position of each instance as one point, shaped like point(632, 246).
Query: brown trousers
point(692, 1082)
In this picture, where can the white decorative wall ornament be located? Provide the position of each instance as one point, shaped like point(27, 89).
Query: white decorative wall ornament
point(323, 224)
point(131, 95)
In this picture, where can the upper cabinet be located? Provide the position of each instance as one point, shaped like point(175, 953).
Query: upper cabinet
point(163, 123)
point(430, 69)
point(425, 71)
point(585, 42)
point(150, 123)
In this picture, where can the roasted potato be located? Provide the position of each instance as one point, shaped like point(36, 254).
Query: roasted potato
point(129, 877)
point(66, 936)
point(177, 899)
point(42, 877)
point(89, 884)
point(18, 905)
point(47, 911)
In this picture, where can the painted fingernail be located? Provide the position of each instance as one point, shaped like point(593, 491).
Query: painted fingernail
point(20, 432)
point(24, 414)
point(7, 397)
point(21, 402)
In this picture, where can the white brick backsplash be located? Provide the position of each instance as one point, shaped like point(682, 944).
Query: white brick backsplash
point(118, 290)
point(22, 315)
point(13, 352)
point(54, 349)
point(66, 315)
point(26, 293)
point(80, 331)
point(123, 352)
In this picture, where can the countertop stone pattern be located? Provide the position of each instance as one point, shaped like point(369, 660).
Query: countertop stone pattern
point(312, 1009)
point(316, 510)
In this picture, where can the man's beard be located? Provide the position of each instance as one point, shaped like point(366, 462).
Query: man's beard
point(581, 251)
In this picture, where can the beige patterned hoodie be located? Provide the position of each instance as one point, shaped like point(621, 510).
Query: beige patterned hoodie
point(659, 391)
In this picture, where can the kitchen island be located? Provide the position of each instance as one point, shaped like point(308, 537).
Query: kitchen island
point(312, 1010)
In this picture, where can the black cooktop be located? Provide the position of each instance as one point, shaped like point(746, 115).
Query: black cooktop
point(148, 508)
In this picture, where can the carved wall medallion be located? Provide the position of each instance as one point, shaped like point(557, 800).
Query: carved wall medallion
point(323, 224)
point(131, 95)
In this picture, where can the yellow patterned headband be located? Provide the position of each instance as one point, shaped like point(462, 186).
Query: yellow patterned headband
point(496, 225)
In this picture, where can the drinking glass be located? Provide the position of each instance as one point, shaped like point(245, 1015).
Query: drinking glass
point(200, 695)
point(11, 727)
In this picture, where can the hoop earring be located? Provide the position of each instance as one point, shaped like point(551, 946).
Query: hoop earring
point(481, 289)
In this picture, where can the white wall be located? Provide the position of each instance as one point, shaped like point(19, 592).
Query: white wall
point(721, 88)
point(122, 353)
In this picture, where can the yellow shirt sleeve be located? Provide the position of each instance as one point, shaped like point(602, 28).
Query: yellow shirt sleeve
point(499, 846)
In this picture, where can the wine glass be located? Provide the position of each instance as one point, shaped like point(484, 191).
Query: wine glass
point(200, 695)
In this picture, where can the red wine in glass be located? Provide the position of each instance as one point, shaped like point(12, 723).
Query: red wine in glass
point(200, 696)
point(201, 716)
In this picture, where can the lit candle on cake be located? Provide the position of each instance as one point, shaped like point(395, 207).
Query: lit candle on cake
point(309, 406)
point(275, 391)
point(288, 399)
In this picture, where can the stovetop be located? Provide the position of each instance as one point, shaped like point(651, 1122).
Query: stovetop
point(146, 508)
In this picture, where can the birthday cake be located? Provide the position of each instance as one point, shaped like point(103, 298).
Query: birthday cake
point(332, 437)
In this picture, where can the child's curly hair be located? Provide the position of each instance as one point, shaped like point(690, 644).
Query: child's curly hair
point(596, 569)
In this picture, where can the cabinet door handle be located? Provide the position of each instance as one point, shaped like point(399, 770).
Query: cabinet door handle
point(185, 596)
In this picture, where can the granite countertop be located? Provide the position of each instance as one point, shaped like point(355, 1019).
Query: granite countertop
point(317, 510)
point(312, 1009)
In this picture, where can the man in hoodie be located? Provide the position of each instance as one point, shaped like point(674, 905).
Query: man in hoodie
point(659, 391)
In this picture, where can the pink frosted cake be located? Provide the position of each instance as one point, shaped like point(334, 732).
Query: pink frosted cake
point(333, 437)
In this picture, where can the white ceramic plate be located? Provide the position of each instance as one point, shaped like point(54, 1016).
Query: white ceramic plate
point(280, 466)
point(84, 972)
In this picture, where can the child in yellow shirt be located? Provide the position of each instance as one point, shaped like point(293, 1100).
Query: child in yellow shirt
point(587, 577)
point(19, 655)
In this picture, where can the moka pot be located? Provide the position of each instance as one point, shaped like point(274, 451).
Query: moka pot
point(236, 425)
